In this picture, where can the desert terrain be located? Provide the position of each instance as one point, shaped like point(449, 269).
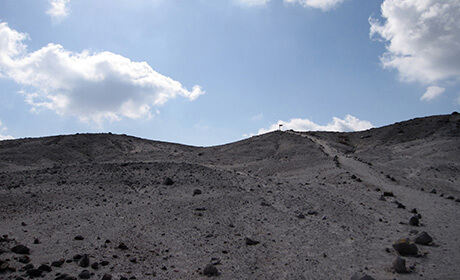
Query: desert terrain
point(282, 205)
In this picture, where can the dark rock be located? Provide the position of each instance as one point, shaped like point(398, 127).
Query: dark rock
point(29, 266)
point(264, 203)
point(58, 263)
point(414, 211)
point(20, 249)
point(70, 278)
point(423, 238)
point(361, 276)
point(250, 241)
point(45, 267)
point(95, 265)
point(405, 247)
point(414, 221)
point(401, 206)
point(382, 198)
point(399, 265)
point(84, 274)
point(107, 277)
point(197, 192)
point(84, 261)
point(210, 270)
point(122, 246)
point(36, 241)
point(123, 278)
point(450, 197)
point(168, 181)
point(104, 263)
point(61, 277)
point(301, 216)
point(312, 212)
point(433, 191)
point(34, 272)
point(79, 237)
point(76, 257)
point(24, 259)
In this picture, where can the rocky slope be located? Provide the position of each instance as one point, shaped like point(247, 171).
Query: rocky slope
point(283, 205)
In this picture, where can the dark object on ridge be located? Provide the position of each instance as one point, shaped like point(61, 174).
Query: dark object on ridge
point(168, 181)
point(210, 270)
point(250, 242)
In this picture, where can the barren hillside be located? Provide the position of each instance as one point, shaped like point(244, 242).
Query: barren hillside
point(283, 205)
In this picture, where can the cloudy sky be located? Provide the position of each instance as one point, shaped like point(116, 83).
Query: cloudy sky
point(207, 72)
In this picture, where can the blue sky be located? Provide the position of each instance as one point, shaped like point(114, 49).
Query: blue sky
point(208, 72)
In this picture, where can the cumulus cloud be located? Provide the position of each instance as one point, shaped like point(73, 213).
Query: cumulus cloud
point(59, 9)
point(92, 86)
point(324, 5)
point(4, 137)
point(432, 92)
point(350, 123)
point(423, 39)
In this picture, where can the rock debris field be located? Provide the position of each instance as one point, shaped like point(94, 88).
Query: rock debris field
point(377, 204)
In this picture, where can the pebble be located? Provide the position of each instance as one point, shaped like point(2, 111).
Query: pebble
point(34, 272)
point(58, 263)
point(122, 246)
point(197, 192)
point(250, 241)
point(405, 247)
point(84, 261)
point(84, 274)
point(361, 276)
point(20, 249)
point(95, 265)
point(210, 270)
point(414, 221)
point(79, 237)
point(399, 265)
point(45, 267)
point(423, 238)
point(168, 181)
point(107, 277)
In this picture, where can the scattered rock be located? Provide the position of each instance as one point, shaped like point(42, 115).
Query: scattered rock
point(45, 267)
point(34, 272)
point(20, 249)
point(361, 276)
point(24, 259)
point(58, 263)
point(95, 265)
point(250, 241)
point(312, 212)
point(210, 270)
point(399, 265)
point(197, 192)
point(107, 277)
point(84, 274)
point(433, 191)
point(264, 203)
point(122, 246)
point(414, 211)
point(423, 238)
point(301, 216)
point(401, 206)
point(405, 247)
point(79, 237)
point(104, 263)
point(168, 181)
point(84, 261)
point(414, 221)
point(36, 241)
point(382, 198)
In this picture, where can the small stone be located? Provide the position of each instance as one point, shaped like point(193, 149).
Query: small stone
point(24, 259)
point(34, 272)
point(405, 247)
point(95, 265)
point(361, 276)
point(45, 267)
point(20, 249)
point(79, 237)
point(414, 221)
point(401, 206)
point(122, 246)
point(433, 191)
point(123, 278)
point(84, 261)
point(197, 192)
point(250, 241)
point(210, 270)
point(107, 277)
point(104, 263)
point(390, 194)
point(414, 211)
point(312, 212)
point(84, 274)
point(382, 198)
point(399, 265)
point(36, 241)
point(58, 263)
point(423, 238)
point(301, 216)
point(168, 181)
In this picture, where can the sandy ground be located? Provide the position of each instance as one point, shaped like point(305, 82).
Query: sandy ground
point(312, 201)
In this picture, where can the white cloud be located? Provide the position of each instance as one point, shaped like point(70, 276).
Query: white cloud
point(324, 5)
point(4, 137)
point(59, 9)
point(432, 92)
point(423, 38)
point(252, 3)
point(257, 118)
point(350, 123)
point(92, 86)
